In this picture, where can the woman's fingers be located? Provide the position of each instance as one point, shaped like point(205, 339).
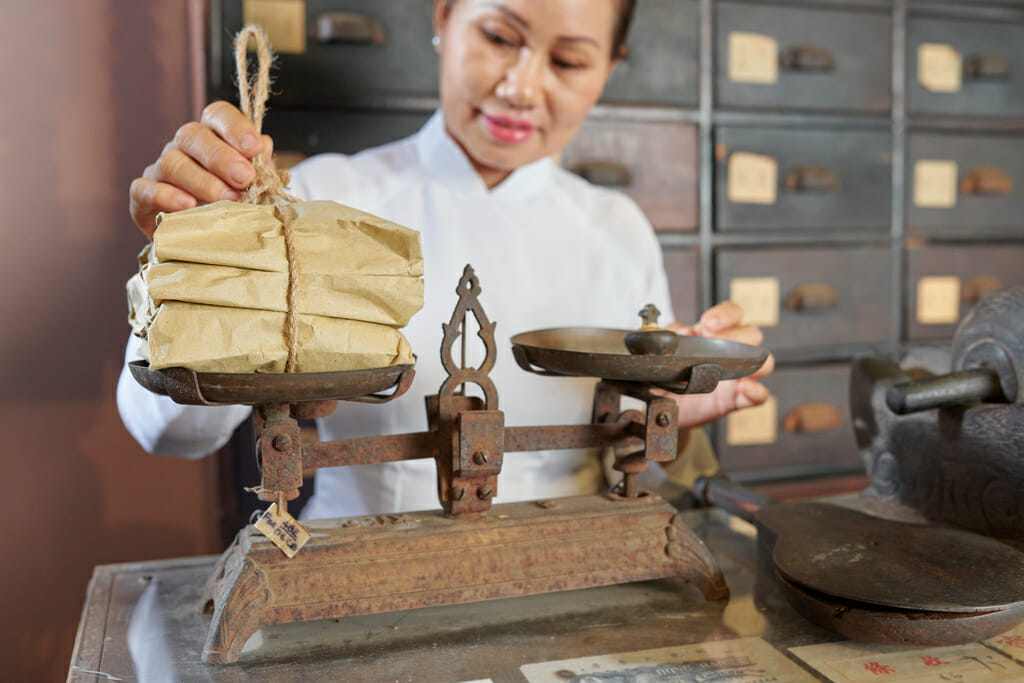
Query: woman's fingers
point(225, 165)
point(233, 127)
point(147, 198)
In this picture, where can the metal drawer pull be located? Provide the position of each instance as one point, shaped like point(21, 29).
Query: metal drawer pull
point(812, 296)
point(980, 286)
point(604, 173)
point(987, 68)
point(348, 28)
point(986, 180)
point(811, 418)
point(811, 179)
point(807, 58)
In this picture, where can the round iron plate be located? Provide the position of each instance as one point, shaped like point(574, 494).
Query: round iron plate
point(200, 388)
point(874, 624)
point(855, 557)
point(599, 352)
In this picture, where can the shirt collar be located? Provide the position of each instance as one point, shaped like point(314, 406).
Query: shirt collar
point(446, 162)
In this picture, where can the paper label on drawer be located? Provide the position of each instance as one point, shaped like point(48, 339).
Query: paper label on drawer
point(752, 178)
point(935, 183)
point(283, 20)
point(759, 299)
point(939, 67)
point(752, 426)
point(938, 300)
point(849, 661)
point(741, 659)
point(753, 58)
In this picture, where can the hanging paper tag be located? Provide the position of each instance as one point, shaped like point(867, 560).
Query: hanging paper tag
point(283, 20)
point(752, 178)
point(753, 58)
point(939, 67)
point(935, 183)
point(282, 530)
point(938, 300)
point(752, 426)
point(759, 299)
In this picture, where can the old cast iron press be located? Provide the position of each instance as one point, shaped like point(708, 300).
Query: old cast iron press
point(383, 563)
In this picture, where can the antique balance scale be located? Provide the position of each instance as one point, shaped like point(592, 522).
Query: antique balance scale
point(469, 550)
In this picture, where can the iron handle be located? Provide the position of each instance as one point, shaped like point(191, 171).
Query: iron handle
point(812, 296)
point(604, 173)
point(348, 28)
point(987, 68)
point(980, 286)
point(941, 391)
point(736, 499)
point(811, 179)
point(812, 418)
point(986, 180)
point(807, 58)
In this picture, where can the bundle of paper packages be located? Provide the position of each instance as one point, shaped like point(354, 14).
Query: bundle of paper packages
point(211, 293)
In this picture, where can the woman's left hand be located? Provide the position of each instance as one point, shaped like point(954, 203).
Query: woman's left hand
point(723, 321)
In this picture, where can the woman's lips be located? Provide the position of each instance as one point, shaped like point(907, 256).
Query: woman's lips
point(508, 130)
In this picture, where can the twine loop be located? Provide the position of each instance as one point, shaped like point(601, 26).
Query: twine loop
point(268, 183)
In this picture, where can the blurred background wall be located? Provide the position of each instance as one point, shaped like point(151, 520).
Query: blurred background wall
point(91, 91)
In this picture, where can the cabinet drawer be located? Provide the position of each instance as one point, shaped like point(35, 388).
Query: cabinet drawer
point(970, 181)
point(803, 430)
point(380, 49)
point(802, 179)
point(800, 58)
point(683, 269)
point(810, 297)
point(655, 163)
point(664, 56)
point(312, 131)
point(964, 67)
point(944, 281)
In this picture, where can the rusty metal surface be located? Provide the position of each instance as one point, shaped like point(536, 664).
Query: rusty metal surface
point(385, 563)
point(205, 388)
point(900, 627)
point(596, 352)
point(856, 557)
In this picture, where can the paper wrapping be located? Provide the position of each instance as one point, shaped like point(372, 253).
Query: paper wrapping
point(220, 339)
point(211, 293)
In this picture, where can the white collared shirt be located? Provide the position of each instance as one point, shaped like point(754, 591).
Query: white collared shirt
point(549, 249)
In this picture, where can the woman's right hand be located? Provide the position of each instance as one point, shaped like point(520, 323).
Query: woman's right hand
point(207, 161)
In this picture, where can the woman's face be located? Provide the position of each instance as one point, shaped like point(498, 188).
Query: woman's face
point(519, 76)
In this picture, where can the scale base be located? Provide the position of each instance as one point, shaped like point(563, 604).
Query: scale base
point(386, 563)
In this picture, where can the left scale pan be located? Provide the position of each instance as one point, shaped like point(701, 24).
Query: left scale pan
point(211, 388)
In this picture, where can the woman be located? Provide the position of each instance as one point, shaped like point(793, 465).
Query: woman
point(517, 79)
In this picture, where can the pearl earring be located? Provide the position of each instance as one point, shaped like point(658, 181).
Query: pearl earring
point(436, 41)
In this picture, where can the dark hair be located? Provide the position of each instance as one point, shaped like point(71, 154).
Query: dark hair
point(622, 21)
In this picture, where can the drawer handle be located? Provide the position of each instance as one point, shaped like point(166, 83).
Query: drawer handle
point(812, 296)
point(980, 286)
point(807, 58)
point(811, 418)
point(987, 68)
point(986, 180)
point(811, 179)
point(348, 28)
point(604, 173)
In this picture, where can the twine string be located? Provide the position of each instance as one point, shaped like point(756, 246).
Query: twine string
point(268, 183)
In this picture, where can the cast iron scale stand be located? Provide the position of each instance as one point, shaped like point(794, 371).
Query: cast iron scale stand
point(383, 563)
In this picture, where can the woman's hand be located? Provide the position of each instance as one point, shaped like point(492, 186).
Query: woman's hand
point(723, 321)
point(207, 161)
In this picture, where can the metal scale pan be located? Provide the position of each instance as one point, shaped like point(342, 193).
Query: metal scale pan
point(696, 365)
point(208, 388)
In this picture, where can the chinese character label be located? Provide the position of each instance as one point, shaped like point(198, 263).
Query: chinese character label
point(282, 530)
